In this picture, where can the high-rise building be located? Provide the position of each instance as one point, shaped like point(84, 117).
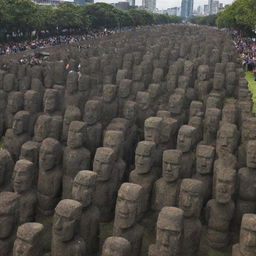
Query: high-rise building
point(149, 5)
point(210, 6)
point(206, 9)
point(187, 8)
point(131, 2)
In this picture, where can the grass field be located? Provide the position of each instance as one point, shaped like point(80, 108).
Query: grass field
point(252, 86)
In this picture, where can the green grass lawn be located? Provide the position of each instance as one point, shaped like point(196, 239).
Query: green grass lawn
point(252, 86)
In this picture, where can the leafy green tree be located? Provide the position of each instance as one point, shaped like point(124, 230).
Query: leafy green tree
point(141, 17)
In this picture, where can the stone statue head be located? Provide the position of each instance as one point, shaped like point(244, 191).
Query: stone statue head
point(204, 159)
point(32, 101)
point(6, 165)
point(50, 154)
point(171, 165)
point(30, 151)
point(225, 185)
point(103, 163)
point(20, 122)
point(203, 72)
point(127, 205)
point(92, 111)
point(195, 109)
point(247, 241)
point(154, 90)
point(125, 88)
point(152, 129)
point(251, 154)
point(227, 139)
point(66, 219)
point(212, 119)
point(191, 197)
point(144, 155)
point(109, 92)
point(143, 100)
point(186, 138)
point(76, 134)
point(169, 231)
point(50, 100)
point(130, 110)
point(218, 81)
point(84, 186)
point(114, 140)
point(41, 128)
point(72, 82)
point(176, 103)
point(23, 176)
point(229, 113)
point(8, 213)
point(214, 100)
point(163, 114)
point(15, 102)
point(116, 246)
point(29, 239)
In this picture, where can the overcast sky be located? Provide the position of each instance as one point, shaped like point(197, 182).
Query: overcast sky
point(164, 4)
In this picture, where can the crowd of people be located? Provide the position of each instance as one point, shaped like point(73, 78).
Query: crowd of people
point(247, 49)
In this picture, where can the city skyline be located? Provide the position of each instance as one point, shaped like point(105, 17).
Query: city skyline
point(164, 4)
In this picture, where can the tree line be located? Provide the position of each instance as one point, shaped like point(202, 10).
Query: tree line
point(19, 18)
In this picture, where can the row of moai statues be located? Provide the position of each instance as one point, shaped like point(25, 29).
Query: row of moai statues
point(151, 121)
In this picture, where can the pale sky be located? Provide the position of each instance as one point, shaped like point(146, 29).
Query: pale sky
point(164, 4)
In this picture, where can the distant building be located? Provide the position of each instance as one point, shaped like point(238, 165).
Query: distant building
point(82, 2)
point(210, 6)
point(215, 7)
point(122, 5)
point(187, 8)
point(149, 5)
point(174, 11)
point(131, 2)
point(206, 9)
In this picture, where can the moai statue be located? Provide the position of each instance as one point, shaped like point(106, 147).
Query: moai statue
point(42, 128)
point(32, 104)
point(230, 113)
point(144, 110)
point(6, 168)
point(195, 109)
point(65, 231)
point(124, 93)
point(137, 80)
point(144, 174)
point(244, 111)
point(190, 201)
point(205, 155)
point(154, 91)
point(92, 117)
point(72, 96)
point(169, 233)
point(72, 113)
point(227, 140)
point(220, 211)
point(8, 221)
point(84, 86)
point(59, 72)
point(75, 156)
point(247, 240)
point(115, 141)
point(110, 104)
point(9, 83)
point(23, 177)
point(218, 84)
point(14, 138)
point(166, 189)
point(211, 125)
point(116, 246)
point(50, 176)
point(246, 202)
point(126, 214)
point(120, 75)
point(83, 191)
point(3, 105)
point(202, 84)
point(15, 104)
point(214, 100)
point(106, 187)
point(29, 240)
point(186, 143)
point(176, 107)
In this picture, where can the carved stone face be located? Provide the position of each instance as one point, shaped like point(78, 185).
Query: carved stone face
point(130, 111)
point(22, 176)
point(103, 163)
point(176, 103)
point(171, 165)
point(225, 185)
point(204, 159)
point(113, 140)
point(226, 139)
point(32, 101)
point(92, 112)
point(20, 122)
point(125, 88)
point(143, 156)
point(152, 129)
point(203, 72)
point(143, 100)
point(109, 92)
point(251, 154)
point(76, 134)
point(154, 90)
point(22, 248)
point(196, 108)
point(169, 231)
point(212, 119)
point(190, 198)
point(116, 246)
point(218, 81)
point(15, 102)
point(72, 82)
point(50, 100)
point(229, 113)
point(127, 205)
point(247, 243)
point(185, 139)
